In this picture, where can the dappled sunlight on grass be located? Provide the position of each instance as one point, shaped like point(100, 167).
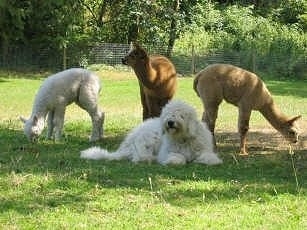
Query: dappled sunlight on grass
point(46, 184)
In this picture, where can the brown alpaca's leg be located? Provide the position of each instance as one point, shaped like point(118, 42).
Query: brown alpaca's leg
point(243, 126)
point(159, 104)
point(144, 103)
point(151, 107)
point(155, 106)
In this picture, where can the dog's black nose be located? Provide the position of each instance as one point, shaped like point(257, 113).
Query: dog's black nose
point(124, 61)
point(170, 124)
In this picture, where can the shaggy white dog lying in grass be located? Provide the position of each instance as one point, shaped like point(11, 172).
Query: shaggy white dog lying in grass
point(176, 137)
point(59, 90)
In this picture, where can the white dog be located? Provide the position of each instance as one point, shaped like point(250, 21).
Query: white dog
point(59, 90)
point(176, 137)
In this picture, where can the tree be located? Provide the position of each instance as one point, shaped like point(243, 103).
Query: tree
point(12, 14)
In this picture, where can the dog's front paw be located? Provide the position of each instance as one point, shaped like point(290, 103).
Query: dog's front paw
point(175, 159)
point(208, 159)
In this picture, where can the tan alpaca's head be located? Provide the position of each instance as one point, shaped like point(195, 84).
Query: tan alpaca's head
point(136, 55)
point(290, 130)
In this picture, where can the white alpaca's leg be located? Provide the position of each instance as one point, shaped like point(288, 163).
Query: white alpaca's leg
point(97, 125)
point(88, 100)
point(58, 121)
point(50, 124)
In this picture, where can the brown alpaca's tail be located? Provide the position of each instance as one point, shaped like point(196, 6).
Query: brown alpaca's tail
point(195, 84)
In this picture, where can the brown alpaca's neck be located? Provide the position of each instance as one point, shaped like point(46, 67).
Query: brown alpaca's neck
point(273, 114)
point(146, 74)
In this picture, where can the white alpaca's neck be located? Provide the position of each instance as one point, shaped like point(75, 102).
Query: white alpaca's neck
point(273, 114)
point(40, 111)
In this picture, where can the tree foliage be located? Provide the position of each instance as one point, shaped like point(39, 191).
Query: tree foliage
point(240, 25)
point(35, 21)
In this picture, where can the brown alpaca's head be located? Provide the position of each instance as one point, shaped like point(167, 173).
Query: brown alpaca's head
point(136, 55)
point(290, 130)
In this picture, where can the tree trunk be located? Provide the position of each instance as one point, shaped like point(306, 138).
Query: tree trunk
point(173, 30)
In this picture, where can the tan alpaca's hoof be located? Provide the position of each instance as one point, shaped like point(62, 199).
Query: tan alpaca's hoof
point(243, 153)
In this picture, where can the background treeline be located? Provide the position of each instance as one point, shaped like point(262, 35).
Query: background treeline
point(268, 36)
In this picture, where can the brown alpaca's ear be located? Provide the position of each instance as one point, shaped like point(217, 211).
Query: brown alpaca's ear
point(136, 45)
point(141, 52)
point(292, 120)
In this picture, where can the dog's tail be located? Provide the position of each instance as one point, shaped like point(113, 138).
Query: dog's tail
point(195, 82)
point(96, 153)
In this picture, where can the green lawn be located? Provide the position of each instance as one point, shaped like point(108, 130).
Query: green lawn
point(47, 186)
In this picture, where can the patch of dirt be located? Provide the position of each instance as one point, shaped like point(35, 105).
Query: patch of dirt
point(260, 140)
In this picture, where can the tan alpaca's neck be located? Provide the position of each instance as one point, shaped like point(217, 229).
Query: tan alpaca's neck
point(273, 114)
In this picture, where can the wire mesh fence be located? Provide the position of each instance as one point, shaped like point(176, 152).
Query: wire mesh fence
point(187, 62)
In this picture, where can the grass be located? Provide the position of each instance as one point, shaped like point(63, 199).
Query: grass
point(47, 186)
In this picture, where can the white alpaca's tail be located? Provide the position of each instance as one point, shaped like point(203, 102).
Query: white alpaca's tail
point(96, 153)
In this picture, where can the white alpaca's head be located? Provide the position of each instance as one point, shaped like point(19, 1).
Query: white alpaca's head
point(32, 128)
point(178, 118)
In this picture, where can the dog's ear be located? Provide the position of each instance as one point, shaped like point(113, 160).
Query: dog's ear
point(24, 120)
point(193, 126)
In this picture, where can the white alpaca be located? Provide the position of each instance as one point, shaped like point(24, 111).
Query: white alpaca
point(176, 137)
point(56, 92)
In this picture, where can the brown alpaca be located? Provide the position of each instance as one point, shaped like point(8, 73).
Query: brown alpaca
point(157, 79)
point(244, 90)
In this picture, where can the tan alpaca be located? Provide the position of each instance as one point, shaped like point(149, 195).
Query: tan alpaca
point(244, 90)
point(157, 79)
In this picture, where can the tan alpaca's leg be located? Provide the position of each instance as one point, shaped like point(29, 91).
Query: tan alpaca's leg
point(243, 126)
point(209, 117)
point(211, 94)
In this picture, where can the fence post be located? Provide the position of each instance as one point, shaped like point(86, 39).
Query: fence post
point(254, 61)
point(193, 60)
point(64, 57)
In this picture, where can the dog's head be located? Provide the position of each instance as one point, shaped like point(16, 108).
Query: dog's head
point(178, 118)
point(136, 55)
point(32, 128)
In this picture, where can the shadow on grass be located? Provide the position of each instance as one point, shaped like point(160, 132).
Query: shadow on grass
point(65, 179)
point(25, 75)
point(2, 80)
point(289, 88)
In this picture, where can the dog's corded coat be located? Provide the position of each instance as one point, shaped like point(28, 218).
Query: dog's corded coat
point(176, 137)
